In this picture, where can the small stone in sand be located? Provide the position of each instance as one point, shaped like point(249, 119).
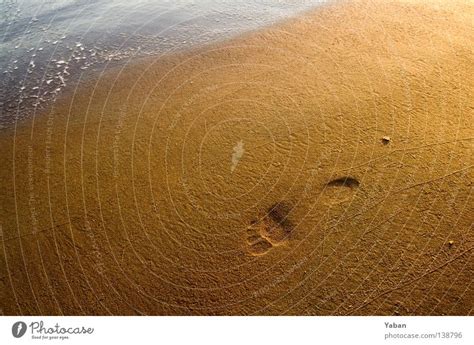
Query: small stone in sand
point(386, 140)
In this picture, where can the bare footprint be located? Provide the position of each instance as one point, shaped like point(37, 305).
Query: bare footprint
point(270, 230)
point(340, 190)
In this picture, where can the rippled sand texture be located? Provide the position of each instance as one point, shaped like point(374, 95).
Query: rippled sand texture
point(252, 177)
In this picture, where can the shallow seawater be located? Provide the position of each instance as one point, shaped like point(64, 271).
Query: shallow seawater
point(44, 45)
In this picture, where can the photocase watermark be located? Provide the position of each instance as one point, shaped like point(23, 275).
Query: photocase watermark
point(19, 329)
point(39, 331)
point(99, 265)
point(31, 190)
point(237, 155)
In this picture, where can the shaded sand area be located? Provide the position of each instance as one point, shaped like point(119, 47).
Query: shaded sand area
point(321, 167)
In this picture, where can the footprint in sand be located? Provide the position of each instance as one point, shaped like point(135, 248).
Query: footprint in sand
point(340, 190)
point(270, 230)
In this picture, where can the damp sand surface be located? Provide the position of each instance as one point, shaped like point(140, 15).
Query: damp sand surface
point(46, 47)
point(319, 167)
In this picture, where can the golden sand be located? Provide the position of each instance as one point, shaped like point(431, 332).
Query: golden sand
point(318, 167)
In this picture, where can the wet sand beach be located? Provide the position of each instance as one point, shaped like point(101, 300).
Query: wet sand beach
point(322, 166)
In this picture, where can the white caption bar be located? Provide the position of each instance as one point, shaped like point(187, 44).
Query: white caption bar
point(236, 330)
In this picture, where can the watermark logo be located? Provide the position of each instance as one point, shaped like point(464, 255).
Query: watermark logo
point(19, 329)
point(237, 155)
point(38, 330)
